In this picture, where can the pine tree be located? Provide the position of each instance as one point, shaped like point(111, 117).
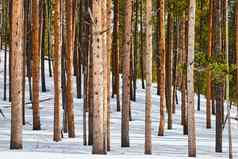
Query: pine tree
point(218, 88)
point(126, 76)
point(190, 80)
point(148, 58)
point(98, 78)
point(16, 70)
point(209, 91)
point(57, 69)
point(36, 63)
point(162, 67)
point(69, 66)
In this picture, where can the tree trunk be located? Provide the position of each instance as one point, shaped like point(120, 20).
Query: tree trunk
point(57, 69)
point(98, 77)
point(42, 50)
point(169, 63)
point(105, 71)
point(142, 46)
point(148, 58)
point(115, 54)
point(69, 66)
point(209, 82)
point(162, 67)
point(109, 50)
point(16, 70)
point(218, 90)
point(190, 81)
point(126, 76)
point(36, 64)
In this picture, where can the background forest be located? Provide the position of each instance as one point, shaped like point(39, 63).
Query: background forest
point(104, 54)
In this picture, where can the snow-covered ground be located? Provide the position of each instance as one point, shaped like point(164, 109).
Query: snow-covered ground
point(39, 144)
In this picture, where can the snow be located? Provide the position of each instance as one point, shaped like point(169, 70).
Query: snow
point(40, 144)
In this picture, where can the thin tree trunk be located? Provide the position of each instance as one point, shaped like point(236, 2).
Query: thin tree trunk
point(162, 66)
point(209, 84)
point(36, 64)
point(190, 81)
point(105, 71)
point(49, 37)
point(169, 63)
point(148, 58)
point(109, 49)
point(219, 85)
point(43, 26)
point(142, 46)
point(226, 32)
point(69, 66)
point(57, 69)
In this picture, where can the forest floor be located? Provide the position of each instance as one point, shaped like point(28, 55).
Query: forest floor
point(39, 144)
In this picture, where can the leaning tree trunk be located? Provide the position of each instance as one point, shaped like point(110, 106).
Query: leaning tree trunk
point(16, 70)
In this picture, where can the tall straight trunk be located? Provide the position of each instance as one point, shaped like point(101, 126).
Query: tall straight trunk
point(57, 69)
point(26, 51)
point(29, 51)
point(10, 48)
point(209, 82)
point(190, 81)
point(142, 46)
point(184, 104)
point(109, 47)
point(169, 63)
point(157, 55)
point(49, 37)
point(36, 63)
point(236, 47)
point(218, 90)
point(16, 70)
point(174, 66)
point(105, 71)
point(148, 58)
point(63, 67)
point(5, 50)
point(126, 76)
point(98, 70)
point(136, 10)
point(79, 51)
point(115, 54)
point(43, 30)
point(90, 85)
point(69, 66)
point(162, 66)
point(226, 32)
point(84, 51)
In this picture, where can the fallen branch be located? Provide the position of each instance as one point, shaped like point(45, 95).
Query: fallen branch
point(42, 100)
point(3, 115)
